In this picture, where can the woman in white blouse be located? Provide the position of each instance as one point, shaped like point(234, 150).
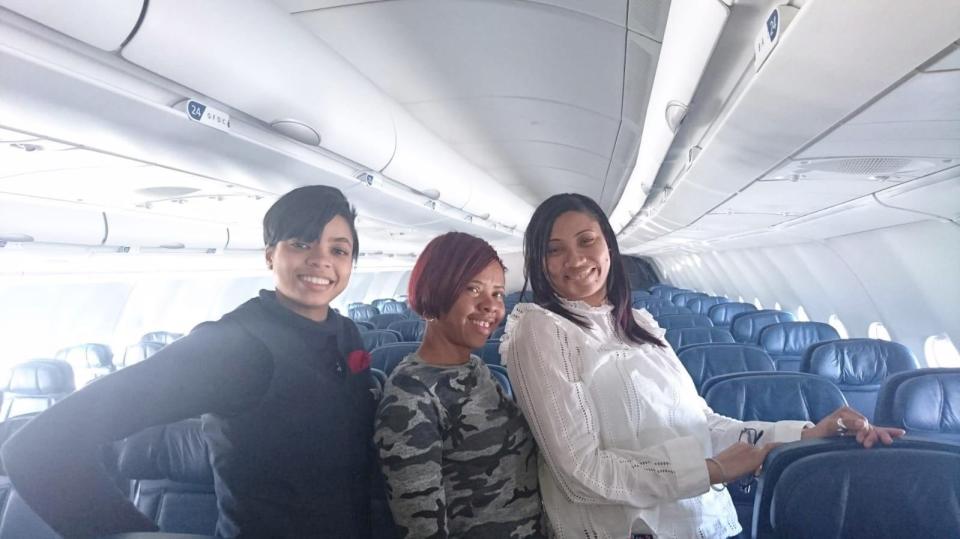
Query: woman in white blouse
point(627, 446)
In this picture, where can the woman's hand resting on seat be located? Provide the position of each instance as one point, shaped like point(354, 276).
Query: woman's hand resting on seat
point(846, 421)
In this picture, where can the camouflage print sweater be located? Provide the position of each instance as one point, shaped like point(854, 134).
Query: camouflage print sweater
point(458, 456)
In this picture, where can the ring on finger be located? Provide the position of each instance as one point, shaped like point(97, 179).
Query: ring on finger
point(841, 427)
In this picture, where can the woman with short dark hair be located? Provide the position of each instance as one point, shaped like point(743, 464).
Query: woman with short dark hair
point(286, 418)
point(457, 454)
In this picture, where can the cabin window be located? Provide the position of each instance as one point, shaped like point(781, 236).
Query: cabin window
point(740, 299)
point(940, 351)
point(834, 321)
point(757, 304)
point(802, 314)
point(777, 306)
point(878, 331)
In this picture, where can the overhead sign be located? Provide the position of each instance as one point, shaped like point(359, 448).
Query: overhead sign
point(208, 115)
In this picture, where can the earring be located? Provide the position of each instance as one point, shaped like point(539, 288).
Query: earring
point(431, 320)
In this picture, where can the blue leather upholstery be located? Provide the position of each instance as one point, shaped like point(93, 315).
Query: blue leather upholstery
point(701, 304)
point(17, 520)
point(680, 300)
point(858, 367)
point(383, 321)
point(378, 337)
point(362, 311)
point(490, 352)
point(499, 373)
point(704, 361)
point(666, 292)
point(773, 396)
point(378, 303)
point(645, 303)
point(386, 357)
point(165, 337)
point(787, 341)
point(679, 338)
point(677, 291)
point(722, 313)
point(380, 378)
point(410, 330)
point(833, 488)
point(660, 309)
point(394, 306)
point(135, 353)
point(679, 321)
point(639, 294)
point(746, 326)
point(364, 325)
point(497, 333)
point(926, 402)
point(173, 479)
point(89, 361)
point(35, 386)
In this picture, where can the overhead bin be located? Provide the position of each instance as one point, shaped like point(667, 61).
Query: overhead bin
point(105, 24)
point(254, 57)
point(132, 229)
point(23, 220)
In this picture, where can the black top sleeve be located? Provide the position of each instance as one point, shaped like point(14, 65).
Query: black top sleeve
point(54, 461)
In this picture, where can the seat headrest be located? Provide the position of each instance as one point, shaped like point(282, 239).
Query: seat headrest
point(678, 338)
point(701, 305)
point(681, 299)
point(857, 362)
point(773, 396)
point(410, 330)
point(677, 321)
point(833, 488)
point(176, 451)
point(41, 377)
point(362, 312)
point(793, 338)
point(660, 309)
point(746, 326)
point(135, 353)
point(890, 410)
point(500, 375)
point(165, 337)
point(387, 356)
point(94, 355)
point(378, 337)
point(929, 404)
point(722, 313)
point(393, 306)
point(705, 361)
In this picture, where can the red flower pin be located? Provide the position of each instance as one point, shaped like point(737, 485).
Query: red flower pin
point(358, 361)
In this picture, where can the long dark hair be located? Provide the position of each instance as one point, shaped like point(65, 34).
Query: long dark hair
point(535, 242)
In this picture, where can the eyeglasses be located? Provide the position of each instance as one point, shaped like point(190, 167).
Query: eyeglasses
point(751, 436)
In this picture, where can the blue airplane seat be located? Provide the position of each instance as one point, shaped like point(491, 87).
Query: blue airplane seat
point(137, 352)
point(678, 321)
point(786, 342)
point(362, 311)
point(722, 314)
point(364, 325)
point(378, 303)
point(679, 338)
point(746, 326)
point(701, 304)
point(833, 488)
point(661, 309)
point(387, 356)
point(680, 300)
point(394, 306)
point(378, 337)
point(36, 385)
point(858, 367)
point(383, 320)
point(653, 301)
point(165, 337)
point(926, 402)
point(89, 360)
point(490, 352)
point(705, 361)
point(410, 330)
point(499, 373)
point(666, 292)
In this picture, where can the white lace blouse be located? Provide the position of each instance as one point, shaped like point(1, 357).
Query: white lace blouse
point(622, 432)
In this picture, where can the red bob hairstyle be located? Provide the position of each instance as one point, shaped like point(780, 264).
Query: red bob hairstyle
point(444, 268)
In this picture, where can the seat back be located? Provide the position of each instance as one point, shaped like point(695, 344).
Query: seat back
point(409, 330)
point(489, 352)
point(165, 337)
point(17, 519)
point(173, 479)
point(646, 303)
point(362, 311)
point(135, 353)
point(702, 304)
point(378, 337)
point(833, 488)
point(773, 396)
point(386, 357)
point(380, 378)
point(378, 303)
point(499, 373)
point(35, 386)
point(787, 341)
point(926, 402)
point(665, 292)
point(639, 294)
point(89, 361)
point(705, 361)
point(383, 320)
point(364, 325)
point(746, 326)
point(394, 306)
point(722, 313)
point(679, 321)
point(680, 300)
point(858, 367)
point(679, 338)
point(663, 308)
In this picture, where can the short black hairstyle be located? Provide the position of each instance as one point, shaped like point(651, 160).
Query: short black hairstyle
point(535, 241)
point(303, 212)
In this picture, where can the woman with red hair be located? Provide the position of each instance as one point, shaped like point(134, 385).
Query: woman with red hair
point(456, 451)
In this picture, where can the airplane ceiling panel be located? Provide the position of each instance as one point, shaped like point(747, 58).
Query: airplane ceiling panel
point(795, 198)
point(921, 117)
point(950, 60)
point(648, 17)
point(936, 195)
point(721, 224)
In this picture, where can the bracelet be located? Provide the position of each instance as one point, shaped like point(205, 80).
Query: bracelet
point(723, 474)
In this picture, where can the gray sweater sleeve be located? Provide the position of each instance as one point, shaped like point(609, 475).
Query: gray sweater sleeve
point(54, 460)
